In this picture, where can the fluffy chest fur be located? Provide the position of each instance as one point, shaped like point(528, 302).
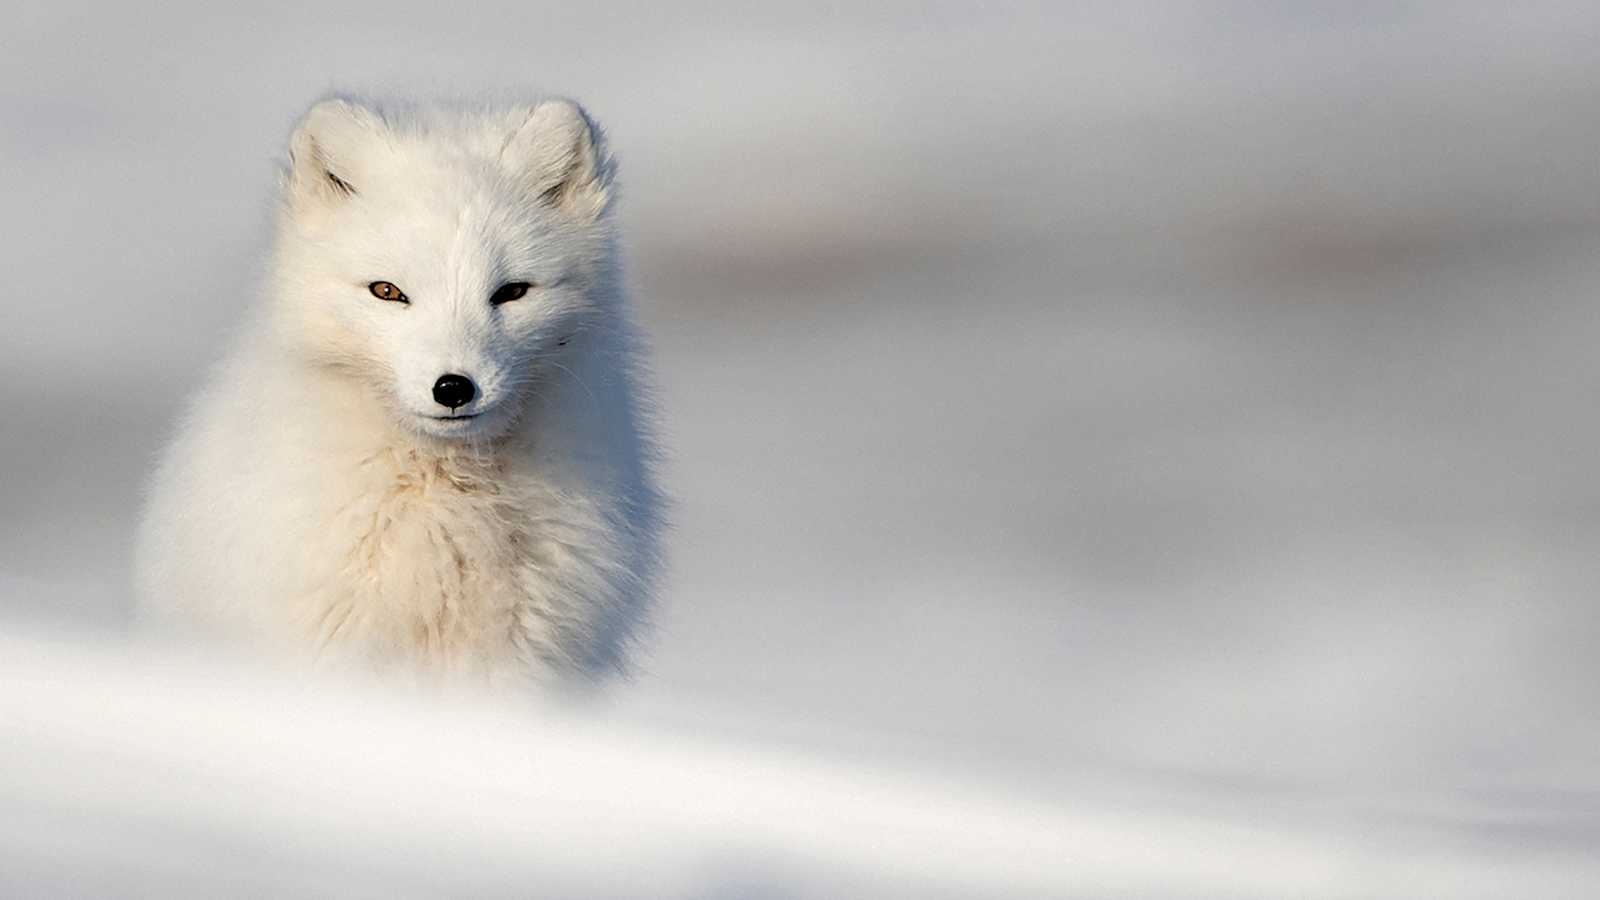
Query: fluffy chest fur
point(510, 559)
point(436, 560)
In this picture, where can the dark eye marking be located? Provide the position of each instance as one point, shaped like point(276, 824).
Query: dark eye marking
point(385, 290)
point(513, 290)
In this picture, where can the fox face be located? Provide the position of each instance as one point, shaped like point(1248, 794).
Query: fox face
point(449, 263)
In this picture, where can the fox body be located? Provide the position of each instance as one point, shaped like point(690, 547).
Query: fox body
point(428, 448)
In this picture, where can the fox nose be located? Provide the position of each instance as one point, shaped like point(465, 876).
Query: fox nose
point(453, 390)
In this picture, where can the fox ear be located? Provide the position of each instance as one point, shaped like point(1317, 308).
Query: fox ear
point(560, 156)
point(326, 150)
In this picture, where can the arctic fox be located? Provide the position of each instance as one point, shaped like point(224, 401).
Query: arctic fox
point(428, 450)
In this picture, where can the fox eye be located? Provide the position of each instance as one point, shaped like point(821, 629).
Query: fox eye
point(514, 290)
point(384, 290)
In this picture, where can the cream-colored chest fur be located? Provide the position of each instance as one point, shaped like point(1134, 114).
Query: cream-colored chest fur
point(444, 562)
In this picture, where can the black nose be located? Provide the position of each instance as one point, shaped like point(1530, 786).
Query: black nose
point(453, 390)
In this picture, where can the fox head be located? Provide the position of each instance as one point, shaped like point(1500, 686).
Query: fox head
point(448, 259)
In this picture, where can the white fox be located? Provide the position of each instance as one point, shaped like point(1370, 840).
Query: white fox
point(428, 450)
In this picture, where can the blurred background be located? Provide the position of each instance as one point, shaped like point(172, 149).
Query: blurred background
point(1169, 426)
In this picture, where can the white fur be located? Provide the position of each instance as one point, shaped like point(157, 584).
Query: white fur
point(313, 500)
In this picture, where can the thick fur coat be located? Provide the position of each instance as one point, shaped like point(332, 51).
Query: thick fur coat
point(325, 494)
